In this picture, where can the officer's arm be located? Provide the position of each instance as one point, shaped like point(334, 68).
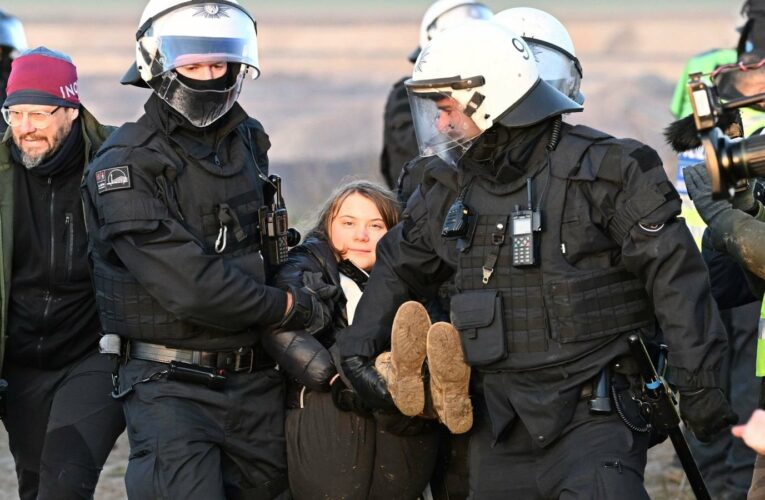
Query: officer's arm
point(407, 268)
point(297, 352)
point(658, 248)
point(172, 264)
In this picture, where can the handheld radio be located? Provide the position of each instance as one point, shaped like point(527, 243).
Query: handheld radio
point(275, 234)
point(524, 224)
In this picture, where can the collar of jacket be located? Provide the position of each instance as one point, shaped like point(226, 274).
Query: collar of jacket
point(322, 251)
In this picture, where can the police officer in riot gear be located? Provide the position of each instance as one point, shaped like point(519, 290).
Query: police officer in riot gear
point(552, 49)
point(13, 41)
point(173, 204)
point(562, 241)
point(399, 142)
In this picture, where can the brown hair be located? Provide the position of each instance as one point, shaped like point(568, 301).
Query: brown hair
point(384, 200)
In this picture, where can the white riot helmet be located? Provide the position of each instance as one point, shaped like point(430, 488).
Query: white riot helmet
point(175, 33)
point(552, 47)
point(469, 78)
point(12, 33)
point(443, 14)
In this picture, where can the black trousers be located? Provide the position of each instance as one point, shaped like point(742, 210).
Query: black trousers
point(61, 426)
point(190, 442)
point(596, 458)
point(334, 454)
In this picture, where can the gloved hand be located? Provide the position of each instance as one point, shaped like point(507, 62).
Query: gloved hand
point(744, 199)
point(705, 411)
point(367, 382)
point(700, 191)
point(346, 399)
point(312, 305)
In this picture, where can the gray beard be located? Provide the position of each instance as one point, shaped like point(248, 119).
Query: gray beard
point(31, 162)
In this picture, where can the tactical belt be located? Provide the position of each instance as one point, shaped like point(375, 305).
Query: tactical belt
point(242, 360)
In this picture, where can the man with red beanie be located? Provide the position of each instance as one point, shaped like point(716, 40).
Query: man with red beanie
point(61, 419)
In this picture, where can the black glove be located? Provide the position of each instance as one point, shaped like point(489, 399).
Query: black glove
point(312, 305)
point(346, 399)
point(367, 382)
point(705, 411)
point(700, 191)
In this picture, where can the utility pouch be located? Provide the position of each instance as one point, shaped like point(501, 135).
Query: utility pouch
point(195, 374)
point(478, 316)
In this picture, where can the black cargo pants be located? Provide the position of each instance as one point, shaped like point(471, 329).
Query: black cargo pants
point(61, 426)
point(596, 458)
point(190, 442)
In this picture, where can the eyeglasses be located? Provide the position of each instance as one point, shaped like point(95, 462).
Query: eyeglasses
point(37, 119)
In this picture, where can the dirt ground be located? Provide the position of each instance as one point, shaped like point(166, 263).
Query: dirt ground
point(327, 71)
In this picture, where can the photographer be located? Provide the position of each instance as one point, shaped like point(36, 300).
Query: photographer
point(735, 230)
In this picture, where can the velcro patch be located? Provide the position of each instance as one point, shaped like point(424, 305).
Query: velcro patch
point(113, 179)
point(646, 158)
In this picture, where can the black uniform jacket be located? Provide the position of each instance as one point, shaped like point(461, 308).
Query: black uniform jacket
point(611, 179)
point(159, 195)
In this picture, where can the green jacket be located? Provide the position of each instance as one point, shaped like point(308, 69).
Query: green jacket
point(94, 134)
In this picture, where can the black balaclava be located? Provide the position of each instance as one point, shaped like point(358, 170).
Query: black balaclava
point(503, 152)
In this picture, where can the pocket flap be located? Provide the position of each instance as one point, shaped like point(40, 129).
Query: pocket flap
point(473, 309)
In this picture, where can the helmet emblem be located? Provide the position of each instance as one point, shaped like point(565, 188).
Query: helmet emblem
point(212, 10)
point(422, 59)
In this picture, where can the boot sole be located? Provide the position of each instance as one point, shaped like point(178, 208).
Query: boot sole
point(449, 378)
point(408, 348)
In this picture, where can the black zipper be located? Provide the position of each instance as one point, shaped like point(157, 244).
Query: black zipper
point(69, 244)
point(51, 270)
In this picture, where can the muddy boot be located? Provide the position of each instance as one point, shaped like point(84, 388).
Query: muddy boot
point(407, 353)
point(382, 365)
point(449, 378)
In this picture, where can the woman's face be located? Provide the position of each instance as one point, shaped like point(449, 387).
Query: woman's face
point(356, 229)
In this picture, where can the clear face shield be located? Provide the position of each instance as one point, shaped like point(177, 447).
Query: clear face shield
point(458, 15)
point(441, 124)
point(560, 70)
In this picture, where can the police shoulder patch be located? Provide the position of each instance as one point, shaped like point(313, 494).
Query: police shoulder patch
point(113, 179)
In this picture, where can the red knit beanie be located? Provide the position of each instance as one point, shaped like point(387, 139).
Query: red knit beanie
point(42, 76)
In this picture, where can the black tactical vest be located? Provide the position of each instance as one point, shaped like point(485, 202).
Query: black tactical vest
point(523, 318)
point(206, 202)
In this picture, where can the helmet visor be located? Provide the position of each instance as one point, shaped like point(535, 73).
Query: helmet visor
point(200, 34)
point(557, 69)
point(441, 125)
point(458, 15)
